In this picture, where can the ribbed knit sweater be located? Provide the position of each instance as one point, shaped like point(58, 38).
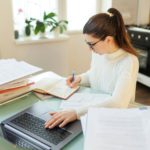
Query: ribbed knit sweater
point(114, 74)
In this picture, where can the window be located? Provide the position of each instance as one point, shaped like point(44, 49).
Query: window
point(23, 9)
point(78, 12)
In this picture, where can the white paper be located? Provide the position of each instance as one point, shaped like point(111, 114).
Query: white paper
point(81, 99)
point(117, 129)
point(83, 123)
point(10, 70)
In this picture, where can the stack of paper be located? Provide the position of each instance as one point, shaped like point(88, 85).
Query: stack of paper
point(12, 69)
point(116, 129)
point(13, 78)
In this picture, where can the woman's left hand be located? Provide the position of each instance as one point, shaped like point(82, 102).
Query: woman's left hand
point(61, 118)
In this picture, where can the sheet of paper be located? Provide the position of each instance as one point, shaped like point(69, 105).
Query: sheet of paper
point(84, 123)
point(22, 69)
point(62, 90)
point(80, 99)
point(117, 129)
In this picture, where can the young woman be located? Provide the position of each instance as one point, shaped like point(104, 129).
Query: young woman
point(114, 66)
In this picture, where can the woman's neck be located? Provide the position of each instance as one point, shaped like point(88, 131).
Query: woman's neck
point(113, 48)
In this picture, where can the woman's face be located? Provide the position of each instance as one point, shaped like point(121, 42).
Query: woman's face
point(96, 45)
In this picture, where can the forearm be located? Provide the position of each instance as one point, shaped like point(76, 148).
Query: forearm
point(85, 79)
point(109, 103)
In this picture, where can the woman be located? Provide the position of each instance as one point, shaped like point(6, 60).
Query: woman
point(114, 66)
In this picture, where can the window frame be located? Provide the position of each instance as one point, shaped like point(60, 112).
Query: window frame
point(62, 14)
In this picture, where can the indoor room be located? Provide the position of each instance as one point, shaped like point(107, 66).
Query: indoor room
point(69, 66)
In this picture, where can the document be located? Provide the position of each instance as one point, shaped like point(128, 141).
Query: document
point(84, 123)
point(12, 69)
point(82, 99)
point(117, 129)
point(53, 84)
point(14, 78)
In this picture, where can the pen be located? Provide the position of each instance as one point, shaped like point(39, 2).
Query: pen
point(73, 76)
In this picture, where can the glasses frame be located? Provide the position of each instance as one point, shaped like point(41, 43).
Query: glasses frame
point(91, 45)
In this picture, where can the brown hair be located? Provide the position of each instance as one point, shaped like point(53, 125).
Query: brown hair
point(109, 24)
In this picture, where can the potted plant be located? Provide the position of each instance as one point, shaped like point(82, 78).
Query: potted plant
point(41, 26)
point(58, 27)
point(29, 26)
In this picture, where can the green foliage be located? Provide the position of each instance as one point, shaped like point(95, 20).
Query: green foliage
point(40, 27)
point(48, 21)
point(28, 26)
point(61, 25)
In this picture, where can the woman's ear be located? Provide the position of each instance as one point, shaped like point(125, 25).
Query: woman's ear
point(109, 39)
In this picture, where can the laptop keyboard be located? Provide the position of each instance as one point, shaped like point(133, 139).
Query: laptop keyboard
point(35, 125)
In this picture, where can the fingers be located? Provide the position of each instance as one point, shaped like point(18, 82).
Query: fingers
point(54, 121)
point(53, 113)
point(69, 79)
point(66, 121)
point(74, 83)
point(61, 118)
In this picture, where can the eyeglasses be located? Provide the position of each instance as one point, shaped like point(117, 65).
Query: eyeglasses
point(91, 45)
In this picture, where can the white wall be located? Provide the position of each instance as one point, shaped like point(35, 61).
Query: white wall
point(61, 57)
point(143, 12)
point(133, 11)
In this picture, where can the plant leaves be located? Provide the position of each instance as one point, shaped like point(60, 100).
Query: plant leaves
point(65, 27)
point(27, 31)
point(52, 29)
point(61, 29)
point(36, 30)
point(51, 15)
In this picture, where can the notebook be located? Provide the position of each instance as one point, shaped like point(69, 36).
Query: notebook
point(53, 84)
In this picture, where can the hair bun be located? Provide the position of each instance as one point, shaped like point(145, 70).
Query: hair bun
point(114, 11)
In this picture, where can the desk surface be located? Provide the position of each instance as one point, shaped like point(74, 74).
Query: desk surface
point(18, 105)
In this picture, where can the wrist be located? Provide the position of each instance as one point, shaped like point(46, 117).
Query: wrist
point(79, 79)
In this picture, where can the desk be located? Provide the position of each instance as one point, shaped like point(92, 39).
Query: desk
point(25, 102)
point(14, 107)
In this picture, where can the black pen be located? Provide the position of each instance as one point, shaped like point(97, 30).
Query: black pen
point(73, 76)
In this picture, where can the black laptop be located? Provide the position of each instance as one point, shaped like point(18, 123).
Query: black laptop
point(26, 130)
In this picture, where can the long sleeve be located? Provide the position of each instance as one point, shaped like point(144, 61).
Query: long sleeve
point(124, 90)
point(85, 76)
point(85, 79)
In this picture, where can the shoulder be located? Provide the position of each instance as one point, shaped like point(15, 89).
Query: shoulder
point(129, 59)
point(129, 62)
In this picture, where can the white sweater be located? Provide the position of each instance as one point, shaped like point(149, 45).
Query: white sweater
point(114, 74)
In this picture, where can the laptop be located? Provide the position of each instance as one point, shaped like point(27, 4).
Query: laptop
point(26, 129)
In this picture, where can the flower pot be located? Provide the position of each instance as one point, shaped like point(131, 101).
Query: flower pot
point(56, 32)
point(42, 35)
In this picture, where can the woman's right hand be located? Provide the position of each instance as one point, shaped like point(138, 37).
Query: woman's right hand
point(75, 82)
